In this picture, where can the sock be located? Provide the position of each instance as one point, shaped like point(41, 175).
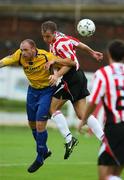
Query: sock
point(34, 132)
point(41, 145)
point(95, 126)
point(62, 125)
point(113, 178)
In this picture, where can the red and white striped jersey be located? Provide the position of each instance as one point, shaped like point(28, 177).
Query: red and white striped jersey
point(64, 46)
point(108, 85)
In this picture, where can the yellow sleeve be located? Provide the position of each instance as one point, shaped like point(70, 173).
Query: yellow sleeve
point(9, 60)
point(52, 57)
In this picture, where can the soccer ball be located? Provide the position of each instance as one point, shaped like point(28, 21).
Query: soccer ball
point(86, 27)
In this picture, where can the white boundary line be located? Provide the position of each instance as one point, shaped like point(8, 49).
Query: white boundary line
point(56, 163)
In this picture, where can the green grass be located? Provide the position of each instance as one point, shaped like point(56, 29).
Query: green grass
point(17, 151)
point(9, 105)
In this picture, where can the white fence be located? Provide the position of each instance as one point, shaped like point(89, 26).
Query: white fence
point(13, 85)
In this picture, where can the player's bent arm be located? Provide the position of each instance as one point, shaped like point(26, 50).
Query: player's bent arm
point(58, 74)
point(59, 62)
point(63, 70)
point(65, 62)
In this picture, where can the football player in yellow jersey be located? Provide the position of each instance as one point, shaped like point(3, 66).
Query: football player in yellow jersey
point(39, 93)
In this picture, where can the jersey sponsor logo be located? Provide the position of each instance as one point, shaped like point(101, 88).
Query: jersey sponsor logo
point(32, 69)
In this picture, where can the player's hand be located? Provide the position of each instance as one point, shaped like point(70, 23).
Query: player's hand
point(53, 79)
point(49, 64)
point(98, 56)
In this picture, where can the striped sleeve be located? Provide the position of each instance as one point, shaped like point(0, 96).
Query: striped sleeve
point(98, 88)
point(75, 41)
point(65, 48)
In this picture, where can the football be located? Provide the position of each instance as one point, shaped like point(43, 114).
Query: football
point(86, 27)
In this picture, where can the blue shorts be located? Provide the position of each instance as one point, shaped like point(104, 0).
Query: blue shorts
point(38, 103)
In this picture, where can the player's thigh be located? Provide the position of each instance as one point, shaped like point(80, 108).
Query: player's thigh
point(42, 113)
point(79, 107)
point(31, 104)
point(43, 107)
point(31, 114)
point(56, 104)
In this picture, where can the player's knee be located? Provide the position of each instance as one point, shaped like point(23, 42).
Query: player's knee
point(41, 125)
point(32, 124)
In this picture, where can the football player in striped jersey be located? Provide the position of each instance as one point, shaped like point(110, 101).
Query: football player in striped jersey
point(75, 83)
point(108, 86)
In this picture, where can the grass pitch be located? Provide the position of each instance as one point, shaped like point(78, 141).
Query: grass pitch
point(17, 152)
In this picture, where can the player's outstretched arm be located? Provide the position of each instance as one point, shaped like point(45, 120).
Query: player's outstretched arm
point(95, 54)
point(6, 61)
point(1, 64)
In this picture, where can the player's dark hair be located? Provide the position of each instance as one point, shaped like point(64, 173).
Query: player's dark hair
point(116, 50)
point(49, 25)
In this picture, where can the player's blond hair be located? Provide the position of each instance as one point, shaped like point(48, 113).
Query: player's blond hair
point(29, 41)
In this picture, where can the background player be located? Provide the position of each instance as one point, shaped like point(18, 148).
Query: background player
point(108, 86)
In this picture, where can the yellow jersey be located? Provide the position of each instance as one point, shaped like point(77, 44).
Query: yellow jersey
point(34, 69)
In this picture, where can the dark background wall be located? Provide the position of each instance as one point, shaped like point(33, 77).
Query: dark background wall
point(20, 22)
